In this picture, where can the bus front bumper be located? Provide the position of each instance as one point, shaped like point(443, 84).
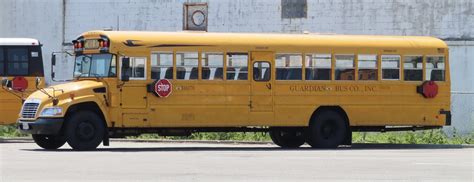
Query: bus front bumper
point(43, 126)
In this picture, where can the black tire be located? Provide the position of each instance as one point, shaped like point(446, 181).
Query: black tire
point(287, 137)
point(84, 130)
point(327, 130)
point(49, 142)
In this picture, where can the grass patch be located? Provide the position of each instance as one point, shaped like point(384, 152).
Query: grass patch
point(10, 131)
point(408, 137)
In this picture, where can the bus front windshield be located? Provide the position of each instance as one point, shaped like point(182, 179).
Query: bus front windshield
point(95, 65)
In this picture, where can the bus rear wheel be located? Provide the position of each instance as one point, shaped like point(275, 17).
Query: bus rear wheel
point(287, 137)
point(327, 130)
point(84, 130)
point(49, 142)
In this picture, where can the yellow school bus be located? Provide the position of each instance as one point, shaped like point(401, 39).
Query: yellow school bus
point(301, 88)
point(21, 65)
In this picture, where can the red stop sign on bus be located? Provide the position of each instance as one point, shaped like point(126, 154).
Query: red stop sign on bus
point(163, 88)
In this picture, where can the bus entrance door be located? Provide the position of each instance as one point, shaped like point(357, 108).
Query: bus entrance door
point(261, 95)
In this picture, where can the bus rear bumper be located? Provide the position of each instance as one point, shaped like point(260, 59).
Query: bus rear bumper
point(448, 116)
point(43, 126)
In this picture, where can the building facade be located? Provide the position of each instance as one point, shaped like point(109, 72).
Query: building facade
point(57, 22)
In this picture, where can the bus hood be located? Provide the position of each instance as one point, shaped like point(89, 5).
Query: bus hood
point(64, 90)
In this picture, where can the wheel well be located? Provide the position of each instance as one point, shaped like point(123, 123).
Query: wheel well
point(338, 109)
point(89, 106)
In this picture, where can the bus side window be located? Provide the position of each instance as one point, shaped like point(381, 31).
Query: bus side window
point(435, 68)
point(17, 61)
point(162, 65)
point(237, 66)
point(138, 67)
point(367, 65)
point(187, 66)
point(390, 67)
point(345, 67)
point(2, 62)
point(318, 67)
point(413, 68)
point(212, 66)
point(289, 66)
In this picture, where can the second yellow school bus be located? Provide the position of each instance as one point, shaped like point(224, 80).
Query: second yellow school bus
point(302, 88)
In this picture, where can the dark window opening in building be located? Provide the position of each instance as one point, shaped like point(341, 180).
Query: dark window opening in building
point(293, 8)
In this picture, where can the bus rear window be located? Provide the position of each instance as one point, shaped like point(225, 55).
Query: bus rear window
point(17, 61)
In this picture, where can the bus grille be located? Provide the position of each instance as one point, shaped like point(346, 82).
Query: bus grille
point(29, 110)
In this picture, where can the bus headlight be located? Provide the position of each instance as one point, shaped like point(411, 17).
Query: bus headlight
point(51, 111)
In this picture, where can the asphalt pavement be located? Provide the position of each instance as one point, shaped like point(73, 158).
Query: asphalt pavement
point(22, 160)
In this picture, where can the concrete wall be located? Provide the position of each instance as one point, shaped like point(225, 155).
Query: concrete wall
point(57, 22)
point(462, 85)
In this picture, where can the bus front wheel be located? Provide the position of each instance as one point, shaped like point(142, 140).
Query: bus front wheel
point(49, 142)
point(84, 130)
point(287, 137)
point(327, 130)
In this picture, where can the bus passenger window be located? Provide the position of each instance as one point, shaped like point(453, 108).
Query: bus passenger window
point(237, 66)
point(162, 65)
point(413, 68)
point(17, 61)
point(318, 67)
point(435, 68)
point(212, 66)
point(2, 62)
point(187, 66)
point(138, 68)
point(390, 67)
point(367, 65)
point(345, 67)
point(289, 66)
point(261, 71)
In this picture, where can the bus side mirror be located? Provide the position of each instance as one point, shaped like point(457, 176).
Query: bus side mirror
point(125, 69)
